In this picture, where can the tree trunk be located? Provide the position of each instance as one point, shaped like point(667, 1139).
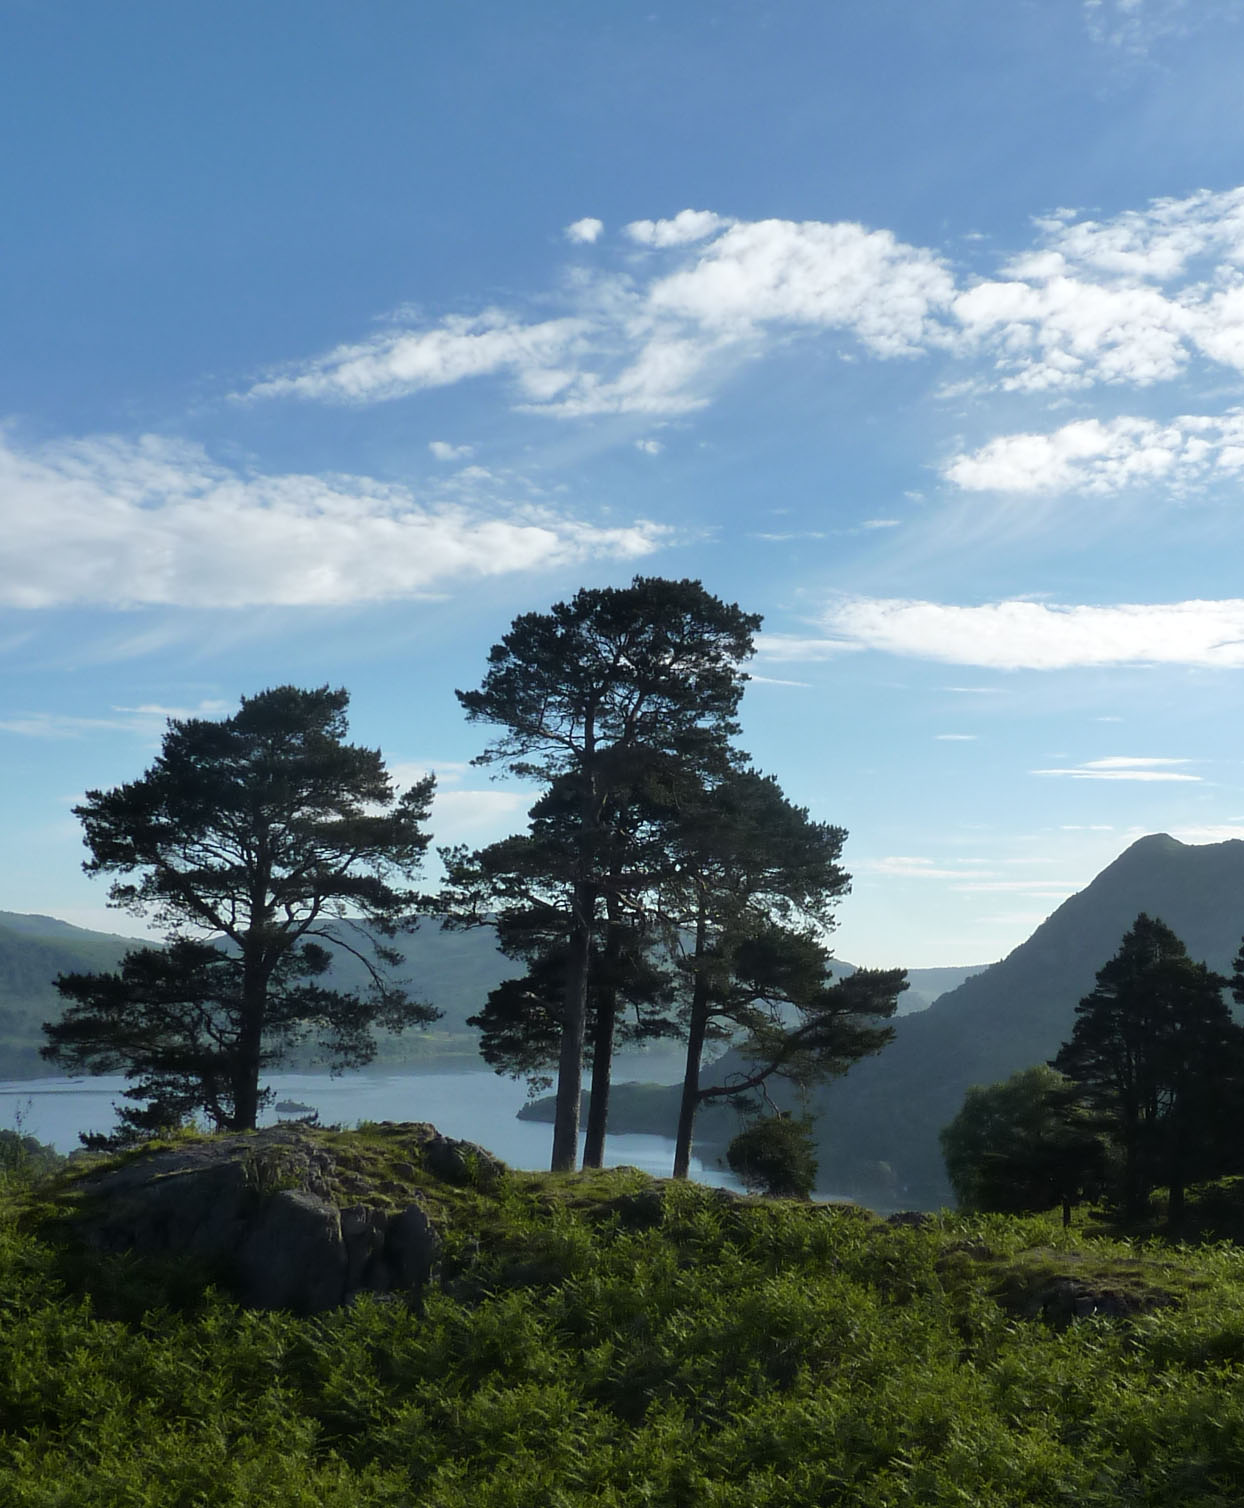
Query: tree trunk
point(249, 1046)
point(598, 1100)
point(696, 1032)
point(574, 1022)
point(605, 998)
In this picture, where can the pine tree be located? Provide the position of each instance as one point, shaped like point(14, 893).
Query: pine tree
point(588, 695)
point(1158, 1054)
point(263, 844)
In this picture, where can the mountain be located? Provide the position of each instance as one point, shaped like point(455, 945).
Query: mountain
point(452, 970)
point(878, 1126)
point(33, 950)
point(924, 986)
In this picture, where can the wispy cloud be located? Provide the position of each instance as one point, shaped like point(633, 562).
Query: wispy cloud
point(145, 721)
point(1221, 832)
point(1123, 767)
point(1023, 635)
point(400, 362)
point(902, 866)
point(1136, 27)
point(1130, 300)
point(115, 523)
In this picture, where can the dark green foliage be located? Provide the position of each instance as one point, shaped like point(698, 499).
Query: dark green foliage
point(776, 1155)
point(1161, 1060)
point(262, 843)
point(599, 698)
point(25, 1157)
point(747, 887)
point(1024, 1145)
point(604, 1341)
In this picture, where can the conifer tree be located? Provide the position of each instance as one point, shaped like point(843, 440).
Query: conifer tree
point(588, 694)
point(262, 843)
point(1158, 1054)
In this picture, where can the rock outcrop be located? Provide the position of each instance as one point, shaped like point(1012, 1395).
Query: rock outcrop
point(288, 1217)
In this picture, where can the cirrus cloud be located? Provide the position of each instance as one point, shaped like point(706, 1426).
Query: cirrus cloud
point(1024, 635)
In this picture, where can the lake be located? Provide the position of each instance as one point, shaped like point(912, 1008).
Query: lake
point(474, 1106)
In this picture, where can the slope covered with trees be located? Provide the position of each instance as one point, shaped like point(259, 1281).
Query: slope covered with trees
point(878, 1130)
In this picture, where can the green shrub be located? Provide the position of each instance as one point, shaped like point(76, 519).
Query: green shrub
point(776, 1156)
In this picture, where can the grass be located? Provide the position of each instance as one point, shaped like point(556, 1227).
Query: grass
point(606, 1339)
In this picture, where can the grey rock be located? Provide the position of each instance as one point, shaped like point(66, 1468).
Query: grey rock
point(281, 1219)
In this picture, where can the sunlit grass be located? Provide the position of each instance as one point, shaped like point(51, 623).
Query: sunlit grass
point(603, 1339)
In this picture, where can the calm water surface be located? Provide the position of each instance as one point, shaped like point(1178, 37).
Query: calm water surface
point(478, 1107)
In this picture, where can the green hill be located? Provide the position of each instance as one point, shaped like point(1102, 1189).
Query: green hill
point(452, 970)
point(605, 1341)
point(33, 950)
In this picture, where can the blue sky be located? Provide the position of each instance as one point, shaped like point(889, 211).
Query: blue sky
point(332, 336)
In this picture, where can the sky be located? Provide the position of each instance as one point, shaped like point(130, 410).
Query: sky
point(334, 336)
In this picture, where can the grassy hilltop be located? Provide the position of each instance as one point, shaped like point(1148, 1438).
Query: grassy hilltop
point(605, 1339)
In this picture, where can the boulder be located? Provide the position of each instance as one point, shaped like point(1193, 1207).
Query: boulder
point(285, 1217)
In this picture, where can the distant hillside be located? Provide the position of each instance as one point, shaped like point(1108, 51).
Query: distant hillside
point(33, 950)
point(878, 1127)
point(889, 1109)
point(452, 970)
point(924, 986)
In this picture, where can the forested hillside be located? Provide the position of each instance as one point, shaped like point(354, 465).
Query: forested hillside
point(33, 950)
point(452, 970)
point(889, 1109)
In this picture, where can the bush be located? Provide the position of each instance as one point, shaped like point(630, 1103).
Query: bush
point(776, 1156)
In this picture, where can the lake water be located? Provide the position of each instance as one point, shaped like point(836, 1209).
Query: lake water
point(478, 1107)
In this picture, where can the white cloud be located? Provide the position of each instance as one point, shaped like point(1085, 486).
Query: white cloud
point(1222, 832)
point(1019, 635)
point(478, 817)
point(1131, 762)
point(1092, 457)
point(688, 225)
point(1101, 770)
point(828, 276)
point(404, 361)
point(1138, 26)
point(880, 523)
point(898, 866)
point(114, 523)
point(145, 722)
point(782, 647)
point(649, 447)
point(1124, 767)
point(1132, 299)
point(956, 738)
point(585, 231)
point(444, 451)
point(1052, 332)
